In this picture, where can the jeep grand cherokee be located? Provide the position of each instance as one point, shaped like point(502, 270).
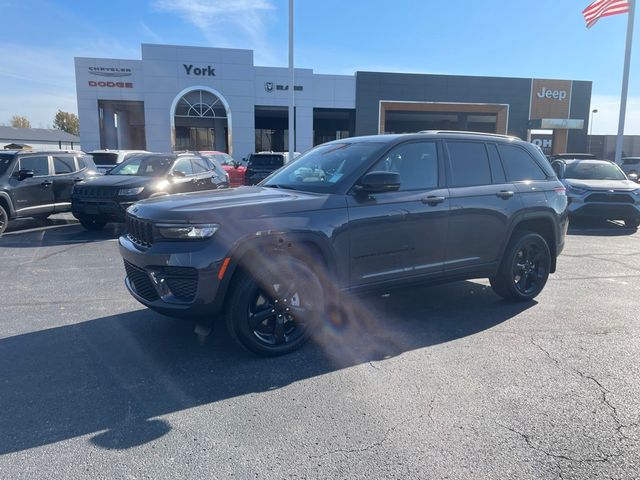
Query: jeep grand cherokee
point(385, 211)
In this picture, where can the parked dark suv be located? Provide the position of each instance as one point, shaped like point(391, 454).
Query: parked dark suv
point(354, 214)
point(261, 165)
point(38, 183)
point(105, 199)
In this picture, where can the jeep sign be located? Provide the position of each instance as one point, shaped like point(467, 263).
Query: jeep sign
point(559, 95)
point(204, 71)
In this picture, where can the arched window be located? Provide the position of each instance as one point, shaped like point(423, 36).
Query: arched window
point(200, 104)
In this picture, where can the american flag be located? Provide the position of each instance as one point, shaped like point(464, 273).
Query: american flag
point(604, 8)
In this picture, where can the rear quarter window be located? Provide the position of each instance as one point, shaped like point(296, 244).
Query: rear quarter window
point(519, 165)
point(64, 165)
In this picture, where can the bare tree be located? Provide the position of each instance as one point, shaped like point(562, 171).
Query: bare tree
point(18, 121)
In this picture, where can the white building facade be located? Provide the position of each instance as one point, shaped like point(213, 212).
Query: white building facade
point(196, 98)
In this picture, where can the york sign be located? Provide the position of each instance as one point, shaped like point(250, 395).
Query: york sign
point(204, 71)
point(559, 95)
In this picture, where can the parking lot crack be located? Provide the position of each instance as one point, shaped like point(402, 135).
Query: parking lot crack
point(368, 447)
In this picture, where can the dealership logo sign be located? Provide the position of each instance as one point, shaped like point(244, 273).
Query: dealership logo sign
point(558, 95)
point(108, 84)
point(205, 71)
point(269, 87)
point(110, 71)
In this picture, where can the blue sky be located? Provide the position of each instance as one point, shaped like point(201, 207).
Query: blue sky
point(543, 38)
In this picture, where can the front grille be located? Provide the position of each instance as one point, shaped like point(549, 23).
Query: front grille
point(139, 231)
point(140, 282)
point(610, 198)
point(94, 192)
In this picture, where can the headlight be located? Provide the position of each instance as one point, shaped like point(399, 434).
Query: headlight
point(127, 192)
point(187, 232)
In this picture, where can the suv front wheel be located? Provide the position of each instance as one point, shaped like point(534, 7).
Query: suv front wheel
point(4, 219)
point(274, 310)
point(524, 269)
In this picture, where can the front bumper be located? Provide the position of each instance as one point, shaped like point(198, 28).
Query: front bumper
point(111, 209)
point(614, 206)
point(177, 279)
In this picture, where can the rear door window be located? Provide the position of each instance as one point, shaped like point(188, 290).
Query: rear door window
point(200, 165)
point(39, 165)
point(469, 164)
point(519, 165)
point(62, 165)
point(183, 165)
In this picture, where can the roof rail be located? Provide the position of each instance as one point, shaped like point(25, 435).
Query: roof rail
point(462, 132)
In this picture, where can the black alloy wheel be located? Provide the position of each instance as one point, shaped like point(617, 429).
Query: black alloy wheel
point(275, 308)
point(525, 268)
point(4, 219)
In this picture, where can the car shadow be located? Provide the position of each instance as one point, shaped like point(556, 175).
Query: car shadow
point(597, 227)
point(30, 233)
point(112, 376)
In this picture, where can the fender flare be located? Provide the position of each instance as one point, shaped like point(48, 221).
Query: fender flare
point(546, 215)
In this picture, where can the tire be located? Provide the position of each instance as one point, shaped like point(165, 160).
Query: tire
point(524, 269)
point(260, 309)
point(632, 222)
point(93, 224)
point(4, 219)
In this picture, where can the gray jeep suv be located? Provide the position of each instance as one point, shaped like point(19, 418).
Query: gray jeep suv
point(355, 214)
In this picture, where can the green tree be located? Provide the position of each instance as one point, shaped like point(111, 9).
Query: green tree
point(18, 121)
point(67, 122)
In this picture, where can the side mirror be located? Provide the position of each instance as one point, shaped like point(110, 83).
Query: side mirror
point(23, 174)
point(633, 177)
point(236, 165)
point(378, 182)
point(559, 167)
point(178, 174)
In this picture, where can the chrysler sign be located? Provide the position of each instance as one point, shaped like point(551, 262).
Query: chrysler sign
point(110, 71)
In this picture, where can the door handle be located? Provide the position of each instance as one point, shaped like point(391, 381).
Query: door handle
point(76, 180)
point(46, 183)
point(505, 194)
point(433, 200)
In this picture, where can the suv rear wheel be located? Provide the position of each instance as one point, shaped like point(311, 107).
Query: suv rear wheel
point(93, 223)
point(524, 269)
point(4, 219)
point(275, 309)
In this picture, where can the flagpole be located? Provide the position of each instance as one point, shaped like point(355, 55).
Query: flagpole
point(292, 88)
point(625, 83)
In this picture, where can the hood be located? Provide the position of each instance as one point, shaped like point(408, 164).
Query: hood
point(621, 185)
point(235, 203)
point(124, 181)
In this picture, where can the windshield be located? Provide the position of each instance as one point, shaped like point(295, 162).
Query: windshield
point(100, 158)
point(274, 161)
point(593, 171)
point(323, 167)
point(144, 166)
point(5, 161)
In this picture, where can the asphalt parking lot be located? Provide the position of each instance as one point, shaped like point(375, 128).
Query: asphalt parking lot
point(440, 382)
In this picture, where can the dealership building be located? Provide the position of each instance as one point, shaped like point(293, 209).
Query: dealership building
point(197, 98)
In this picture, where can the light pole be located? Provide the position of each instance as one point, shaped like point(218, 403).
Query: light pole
point(594, 111)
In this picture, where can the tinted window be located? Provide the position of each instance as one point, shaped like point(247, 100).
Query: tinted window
point(469, 164)
point(200, 165)
point(184, 165)
point(81, 163)
point(39, 165)
point(272, 161)
point(417, 164)
point(63, 165)
point(144, 165)
point(5, 161)
point(519, 165)
point(105, 158)
point(630, 161)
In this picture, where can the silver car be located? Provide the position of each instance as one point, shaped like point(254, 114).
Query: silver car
point(599, 189)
